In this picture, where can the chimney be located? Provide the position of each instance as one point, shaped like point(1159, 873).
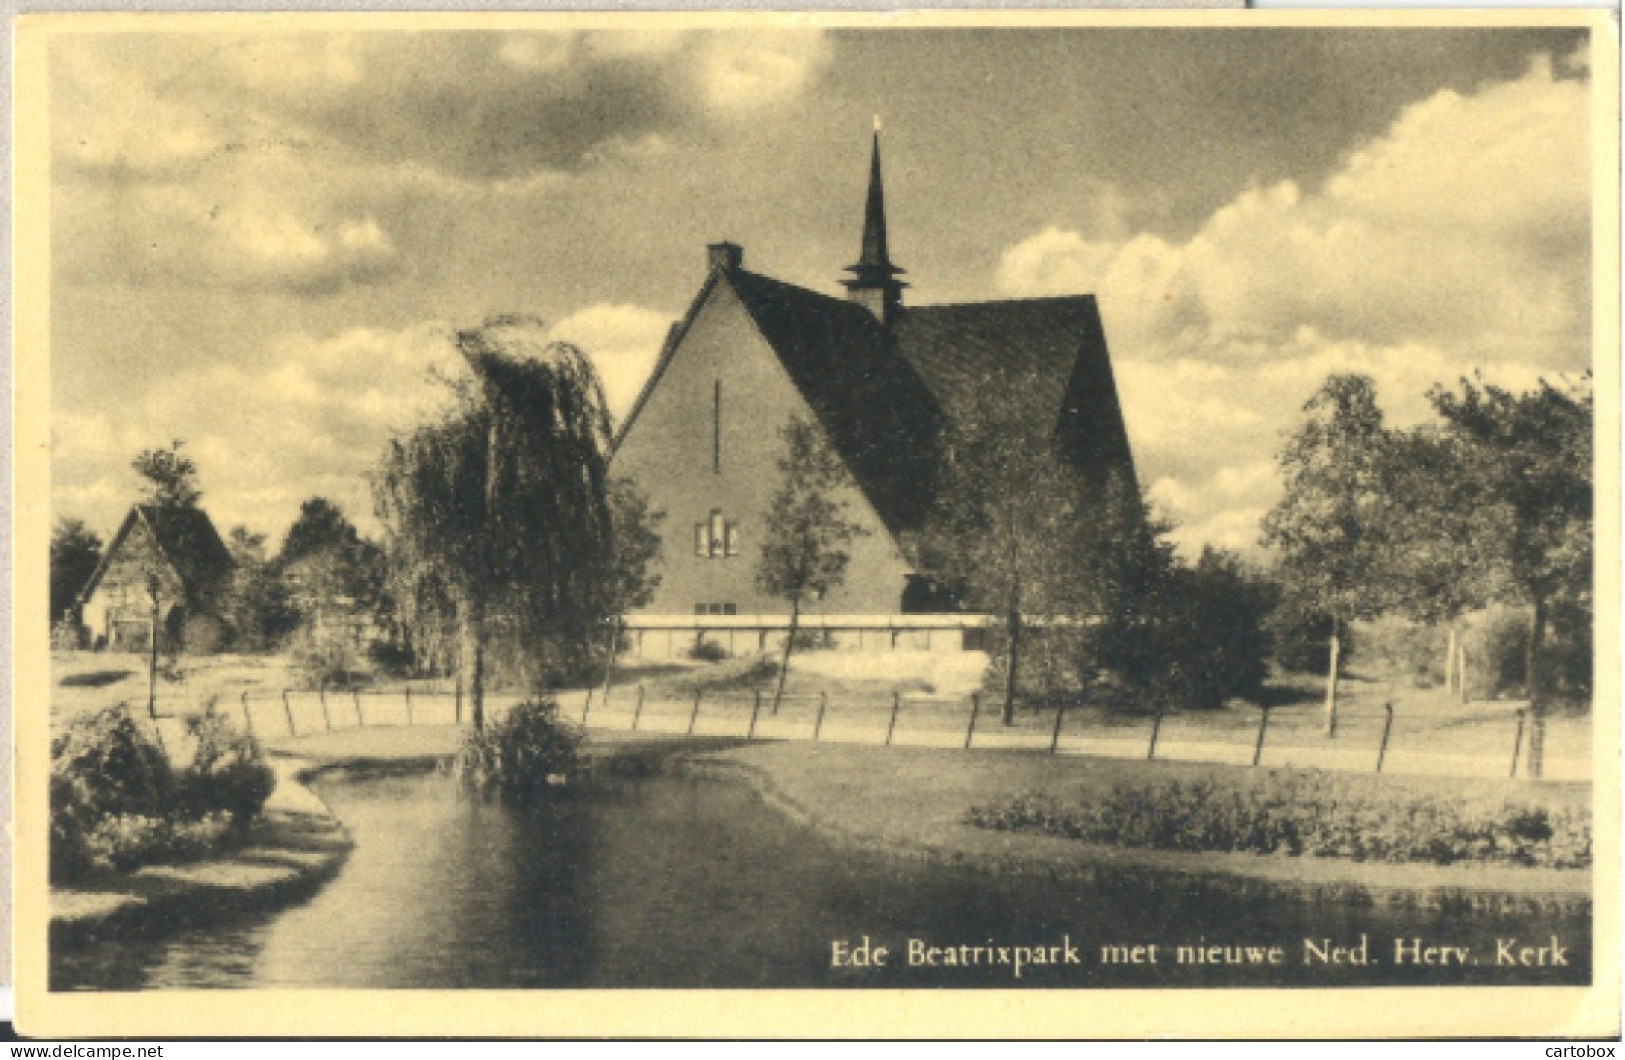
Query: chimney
point(724, 255)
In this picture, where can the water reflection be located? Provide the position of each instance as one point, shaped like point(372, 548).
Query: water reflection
point(687, 882)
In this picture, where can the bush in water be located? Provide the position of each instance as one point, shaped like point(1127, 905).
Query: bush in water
point(523, 756)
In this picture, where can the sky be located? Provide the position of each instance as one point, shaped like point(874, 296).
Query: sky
point(263, 244)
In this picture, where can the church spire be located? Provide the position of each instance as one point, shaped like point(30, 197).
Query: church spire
point(874, 278)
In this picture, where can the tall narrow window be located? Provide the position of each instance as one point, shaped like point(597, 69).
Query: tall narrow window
point(718, 532)
point(716, 427)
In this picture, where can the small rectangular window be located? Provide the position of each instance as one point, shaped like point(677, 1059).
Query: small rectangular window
point(730, 537)
point(702, 609)
point(730, 609)
point(718, 532)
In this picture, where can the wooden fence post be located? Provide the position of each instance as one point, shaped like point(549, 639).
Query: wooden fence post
point(408, 689)
point(355, 697)
point(1156, 728)
point(756, 708)
point(1055, 734)
point(1387, 727)
point(694, 715)
point(818, 724)
point(1263, 726)
point(457, 704)
point(288, 710)
point(975, 709)
point(1517, 745)
point(637, 711)
point(896, 705)
point(248, 717)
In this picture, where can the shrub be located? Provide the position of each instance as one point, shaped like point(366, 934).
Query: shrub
point(1047, 673)
point(1301, 636)
point(111, 766)
point(226, 774)
point(524, 756)
point(1496, 653)
point(812, 640)
point(1214, 642)
point(1395, 645)
point(707, 651)
point(1306, 814)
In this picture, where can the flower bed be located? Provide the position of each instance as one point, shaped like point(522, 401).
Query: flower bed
point(1303, 813)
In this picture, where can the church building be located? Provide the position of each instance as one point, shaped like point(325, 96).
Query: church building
point(883, 381)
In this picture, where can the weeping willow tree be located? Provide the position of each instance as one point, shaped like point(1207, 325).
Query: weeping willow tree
point(498, 523)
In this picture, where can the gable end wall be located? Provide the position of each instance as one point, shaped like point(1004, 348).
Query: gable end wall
point(668, 452)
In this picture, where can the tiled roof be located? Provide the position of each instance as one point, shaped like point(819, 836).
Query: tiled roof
point(885, 397)
point(1049, 353)
point(187, 539)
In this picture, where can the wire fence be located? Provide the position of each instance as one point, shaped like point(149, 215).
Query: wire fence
point(1487, 742)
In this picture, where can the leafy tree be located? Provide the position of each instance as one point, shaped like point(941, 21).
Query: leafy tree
point(807, 531)
point(500, 507)
point(321, 525)
point(1429, 565)
point(1008, 531)
point(172, 478)
point(255, 602)
point(328, 561)
point(76, 551)
point(1328, 527)
point(1527, 467)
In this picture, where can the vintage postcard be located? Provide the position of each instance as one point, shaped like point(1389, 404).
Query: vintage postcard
point(1069, 525)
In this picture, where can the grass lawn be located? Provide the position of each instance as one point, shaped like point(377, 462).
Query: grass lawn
point(936, 687)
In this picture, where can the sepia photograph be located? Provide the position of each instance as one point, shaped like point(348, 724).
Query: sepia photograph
point(912, 518)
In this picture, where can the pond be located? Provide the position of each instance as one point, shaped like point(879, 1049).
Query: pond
point(677, 881)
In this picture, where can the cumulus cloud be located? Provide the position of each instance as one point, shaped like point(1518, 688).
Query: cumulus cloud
point(294, 163)
point(743, 72)
point(308, 415)
point(623, 341)
point(1459, 239)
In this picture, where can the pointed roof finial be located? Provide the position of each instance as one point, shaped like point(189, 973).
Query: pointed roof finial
point(874, 264)
point(874, 279)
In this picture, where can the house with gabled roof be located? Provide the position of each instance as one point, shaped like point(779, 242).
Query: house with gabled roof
point(881, 379)
point(164, 564)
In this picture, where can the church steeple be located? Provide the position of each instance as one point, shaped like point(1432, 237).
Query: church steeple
point(874, 279)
